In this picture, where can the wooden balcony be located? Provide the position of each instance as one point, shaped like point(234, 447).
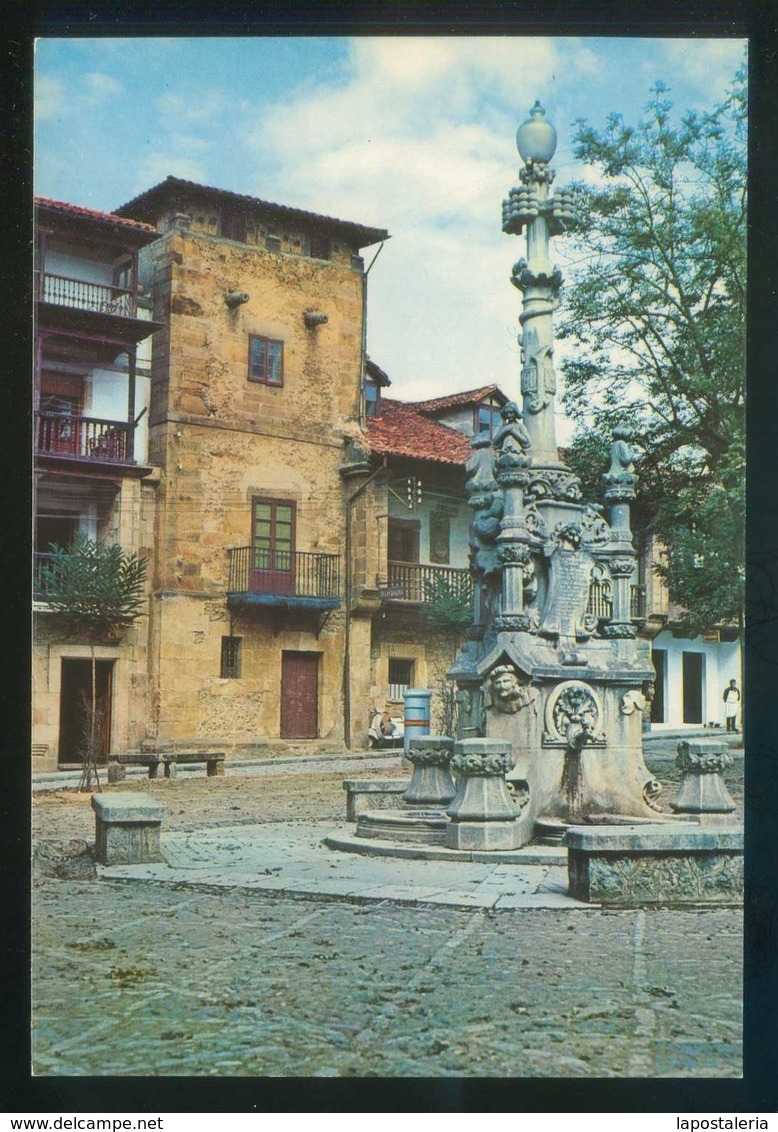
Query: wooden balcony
point(415, 583)
point(283, 579)
point(62, 291)
point(92, 439)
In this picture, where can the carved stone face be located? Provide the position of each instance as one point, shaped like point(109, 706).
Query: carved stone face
point(507, 693)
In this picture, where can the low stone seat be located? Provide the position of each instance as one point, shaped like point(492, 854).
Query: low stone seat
point(127, 828)
point(134, 758)
point(373, 794)
point(170, 760)
point(214, 761)
point(632, 865)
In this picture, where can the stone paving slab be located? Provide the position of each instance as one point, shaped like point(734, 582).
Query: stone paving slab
point(280, 858)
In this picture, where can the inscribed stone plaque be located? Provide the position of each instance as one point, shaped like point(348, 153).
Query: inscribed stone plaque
point(440, 537)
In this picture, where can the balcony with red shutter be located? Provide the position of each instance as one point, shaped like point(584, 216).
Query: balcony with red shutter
point(283, 579)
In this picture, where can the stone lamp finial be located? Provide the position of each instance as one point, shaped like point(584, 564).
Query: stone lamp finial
point(536, 138)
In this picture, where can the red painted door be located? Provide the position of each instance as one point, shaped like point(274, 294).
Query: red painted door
point(299, 695)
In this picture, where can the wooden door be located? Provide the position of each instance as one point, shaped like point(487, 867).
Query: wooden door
point(692, 687)
point(273, 549)
point(75, 707)
point(299, 695)
point(659, 660)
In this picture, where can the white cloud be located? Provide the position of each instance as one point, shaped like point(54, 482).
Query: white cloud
point(50, 101)
point(158, 165)
point(417, 137)
point(709, 64)
point(202, 108)
point(588, 63)
point(101, 86)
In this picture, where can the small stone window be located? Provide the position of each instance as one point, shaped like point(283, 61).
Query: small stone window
point(231, 658)
point(400, 677)
point(487, 418)
point(266, 360)
point(320, 247)
point(234, 226)
point(372, 398)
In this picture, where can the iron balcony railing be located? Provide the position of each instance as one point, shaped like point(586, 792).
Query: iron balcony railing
point(410, 581)
point(283, 573)
point(39, 579)
point(89, 438)
point(99, 297)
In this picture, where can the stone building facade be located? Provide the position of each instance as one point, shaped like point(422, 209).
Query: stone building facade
point(93, 479)
point(258, 388)
point(204, 399)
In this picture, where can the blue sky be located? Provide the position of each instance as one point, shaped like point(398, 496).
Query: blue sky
point(415, 135)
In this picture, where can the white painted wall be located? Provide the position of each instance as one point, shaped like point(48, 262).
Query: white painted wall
point(460, 526)
point(720, 665)
point(461, 419)
point(74, 266)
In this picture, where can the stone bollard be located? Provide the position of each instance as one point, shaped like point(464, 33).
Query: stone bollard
point(116, 772)
point(483, 814)
point(127, 829)
point(702, 790)
point(431, 784)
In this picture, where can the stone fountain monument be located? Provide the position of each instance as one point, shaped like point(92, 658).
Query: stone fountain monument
point(552, 681)
point(543, 670)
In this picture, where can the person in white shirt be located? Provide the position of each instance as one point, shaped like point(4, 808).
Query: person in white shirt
point(731, 705)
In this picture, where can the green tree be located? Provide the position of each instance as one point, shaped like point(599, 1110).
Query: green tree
point(97, 590)
point(448, 603)
point(656, 310)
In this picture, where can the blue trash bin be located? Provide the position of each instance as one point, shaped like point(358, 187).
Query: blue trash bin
point(417, 714)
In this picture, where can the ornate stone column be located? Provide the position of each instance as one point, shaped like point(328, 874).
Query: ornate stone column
point(483, 814)
point(431, 784)
point(702, 790)
point(619, 484)
point(532, 207)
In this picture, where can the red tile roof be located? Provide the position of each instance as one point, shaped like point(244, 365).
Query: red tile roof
point(174, 188)
point(402, 431)
point(469, 397)
point(81, 213)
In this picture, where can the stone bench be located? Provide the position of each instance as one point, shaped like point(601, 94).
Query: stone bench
point(170, 760)
point(655, 864)
point(373, 794)
point(127, 829)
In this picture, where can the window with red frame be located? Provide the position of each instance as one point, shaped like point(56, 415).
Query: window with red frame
point(266, 360)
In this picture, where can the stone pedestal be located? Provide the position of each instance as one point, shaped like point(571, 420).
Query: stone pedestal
point(634, 865)
point(363, 794)
point(127, 828)
point(483, 814)
point(702, 790)
point(431, 784)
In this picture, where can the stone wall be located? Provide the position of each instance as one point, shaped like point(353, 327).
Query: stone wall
point(406, 635)
point(126, 519)
point(223, 440)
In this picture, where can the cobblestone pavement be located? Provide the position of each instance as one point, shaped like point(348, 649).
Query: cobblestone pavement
point(149, 979)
